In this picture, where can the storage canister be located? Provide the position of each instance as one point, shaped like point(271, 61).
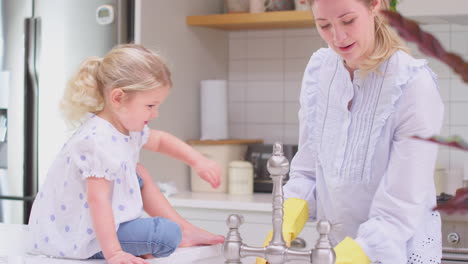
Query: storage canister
point(222, 152)
point(240, 177)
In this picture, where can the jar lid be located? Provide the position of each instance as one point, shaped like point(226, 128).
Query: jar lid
point(240, 164)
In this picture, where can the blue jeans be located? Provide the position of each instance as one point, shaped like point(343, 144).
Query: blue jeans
point(156, 236)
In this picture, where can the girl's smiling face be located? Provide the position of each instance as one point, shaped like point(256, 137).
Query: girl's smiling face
point(348, 27)
point(140, 107)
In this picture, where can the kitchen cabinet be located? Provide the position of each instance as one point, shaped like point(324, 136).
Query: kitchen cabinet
point(266, 20)
point(210, 211)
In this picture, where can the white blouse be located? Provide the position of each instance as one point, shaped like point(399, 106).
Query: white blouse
point(359, 168)
point(60, 224)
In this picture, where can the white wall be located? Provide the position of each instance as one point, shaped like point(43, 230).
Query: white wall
point(434, 9)
point(265, 71)
point(193, 54)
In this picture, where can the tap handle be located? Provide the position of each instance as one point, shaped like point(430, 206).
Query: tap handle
point(278, 164)
point(277, 149)
point(324, 228)
point(233, 242)
point(234, 221)
point(323, 252)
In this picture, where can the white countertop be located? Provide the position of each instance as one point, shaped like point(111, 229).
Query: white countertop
point(261, 202)
point(13, 251)
point(13, 237)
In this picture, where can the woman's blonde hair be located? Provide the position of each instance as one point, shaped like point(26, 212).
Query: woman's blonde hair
point(387, 40)
point(130, 67)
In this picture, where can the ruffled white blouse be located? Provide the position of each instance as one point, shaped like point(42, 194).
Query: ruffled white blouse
point(60, 224)
point(359, 168)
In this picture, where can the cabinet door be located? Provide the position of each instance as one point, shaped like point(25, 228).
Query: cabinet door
point(256, 224)
point(254, 230)
point(252, 234)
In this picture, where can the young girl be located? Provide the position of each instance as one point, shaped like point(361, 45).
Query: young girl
point(91, 203)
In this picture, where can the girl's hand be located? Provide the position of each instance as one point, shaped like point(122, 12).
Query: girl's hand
point(209, 171)
point(121, 257)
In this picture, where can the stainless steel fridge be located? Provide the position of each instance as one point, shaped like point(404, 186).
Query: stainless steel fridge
point(42, 43)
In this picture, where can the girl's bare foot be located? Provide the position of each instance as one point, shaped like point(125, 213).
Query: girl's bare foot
point(194, 236)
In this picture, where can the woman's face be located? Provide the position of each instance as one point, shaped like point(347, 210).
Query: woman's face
point(348, 27)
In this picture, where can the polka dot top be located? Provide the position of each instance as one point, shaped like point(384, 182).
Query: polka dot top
point(60, 224)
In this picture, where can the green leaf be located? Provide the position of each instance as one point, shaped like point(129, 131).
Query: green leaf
point(393, 5)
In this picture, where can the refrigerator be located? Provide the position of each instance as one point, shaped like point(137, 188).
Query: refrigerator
point(42, 43)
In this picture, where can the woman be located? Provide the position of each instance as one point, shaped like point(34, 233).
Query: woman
point(361, 101)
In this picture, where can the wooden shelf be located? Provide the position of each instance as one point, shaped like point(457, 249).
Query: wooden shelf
point(266, 20)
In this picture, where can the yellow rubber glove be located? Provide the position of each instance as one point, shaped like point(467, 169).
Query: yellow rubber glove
point(296, 213)
point(348, 251)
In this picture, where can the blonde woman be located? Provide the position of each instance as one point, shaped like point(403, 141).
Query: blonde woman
point(91, 202)
point(362, 99)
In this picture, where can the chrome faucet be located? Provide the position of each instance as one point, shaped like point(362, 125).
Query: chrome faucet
point(277, 252)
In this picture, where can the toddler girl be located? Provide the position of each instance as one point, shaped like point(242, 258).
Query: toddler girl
point(91, 202)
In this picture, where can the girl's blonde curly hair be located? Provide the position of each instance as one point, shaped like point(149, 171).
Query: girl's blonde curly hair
point(130, 67)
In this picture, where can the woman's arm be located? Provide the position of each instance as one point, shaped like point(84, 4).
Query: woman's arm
point(302, 179)
point(407, 188)
point(170, 145)
point(99, 201)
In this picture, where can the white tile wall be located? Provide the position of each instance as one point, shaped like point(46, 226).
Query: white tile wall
point(265, 72)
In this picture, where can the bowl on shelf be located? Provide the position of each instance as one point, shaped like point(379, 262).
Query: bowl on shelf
point(279, 5)
point(236, 6)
